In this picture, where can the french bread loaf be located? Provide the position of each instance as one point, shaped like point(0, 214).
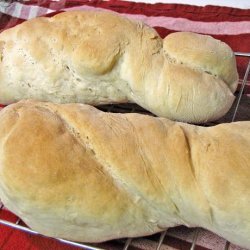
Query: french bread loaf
point(72, 171)
point(100, 57)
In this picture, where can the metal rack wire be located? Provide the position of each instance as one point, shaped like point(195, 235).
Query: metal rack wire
point(127, 243)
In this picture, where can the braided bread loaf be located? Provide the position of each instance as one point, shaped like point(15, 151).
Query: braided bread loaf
point(72, 171)
point(99, 57)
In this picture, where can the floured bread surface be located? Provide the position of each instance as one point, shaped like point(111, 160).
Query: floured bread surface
point(75, 172)
point(100, 57)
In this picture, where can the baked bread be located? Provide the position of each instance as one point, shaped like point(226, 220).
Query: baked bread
point(72, 171)
point(100, 57)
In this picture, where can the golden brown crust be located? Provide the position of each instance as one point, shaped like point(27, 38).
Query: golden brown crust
point(203, 53)
point(75, 172)
point(100, 57)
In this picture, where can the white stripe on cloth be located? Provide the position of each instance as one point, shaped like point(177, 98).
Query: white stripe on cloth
point(33, 12)
point(242, 4)
point(183, 24)
point(16, 9)
point(171, 23)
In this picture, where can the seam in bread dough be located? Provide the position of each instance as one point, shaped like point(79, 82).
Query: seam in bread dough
point(194, 174)
point(105, 168)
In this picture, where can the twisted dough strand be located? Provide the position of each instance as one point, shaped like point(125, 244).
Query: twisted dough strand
point(74, 172)
point(100, 57)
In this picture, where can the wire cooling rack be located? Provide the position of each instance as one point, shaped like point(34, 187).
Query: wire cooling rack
point(239, 111)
